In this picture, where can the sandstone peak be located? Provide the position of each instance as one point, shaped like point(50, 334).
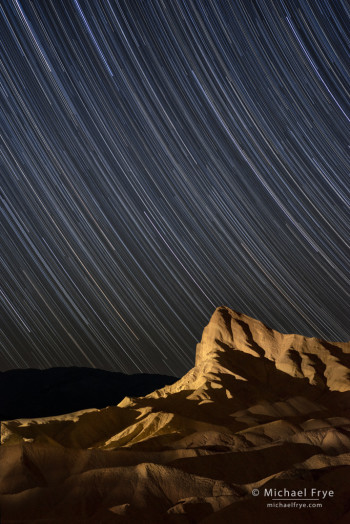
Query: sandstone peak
point(229, 333)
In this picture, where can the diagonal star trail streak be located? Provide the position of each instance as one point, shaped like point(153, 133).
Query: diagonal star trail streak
point(159, 159)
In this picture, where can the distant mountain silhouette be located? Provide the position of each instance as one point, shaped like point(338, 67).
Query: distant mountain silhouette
point(31, 393)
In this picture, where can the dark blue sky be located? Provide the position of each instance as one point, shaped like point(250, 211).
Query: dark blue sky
point(159, 159)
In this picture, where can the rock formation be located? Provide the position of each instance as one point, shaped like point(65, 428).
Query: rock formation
point(261, 416)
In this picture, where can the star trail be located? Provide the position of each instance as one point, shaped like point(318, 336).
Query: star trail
point(162, 158)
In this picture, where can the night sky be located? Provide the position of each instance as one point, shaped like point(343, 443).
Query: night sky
point(163, 158)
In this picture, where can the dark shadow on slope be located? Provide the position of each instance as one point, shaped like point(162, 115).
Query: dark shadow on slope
point(254, 345)
point(248, 466)
point(336, 351)
point(319, 367)
point(227, 319)
point(295, 357)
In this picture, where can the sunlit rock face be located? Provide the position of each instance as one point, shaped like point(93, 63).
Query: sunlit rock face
point(260, 411)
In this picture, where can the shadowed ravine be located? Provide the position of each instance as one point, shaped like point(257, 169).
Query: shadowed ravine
point(259, 411)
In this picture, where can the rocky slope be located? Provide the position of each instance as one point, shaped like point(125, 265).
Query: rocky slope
point(260, 412)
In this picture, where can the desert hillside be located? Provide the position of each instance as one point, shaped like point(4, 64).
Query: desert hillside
point(260, 412)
